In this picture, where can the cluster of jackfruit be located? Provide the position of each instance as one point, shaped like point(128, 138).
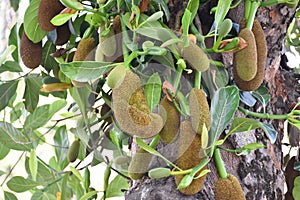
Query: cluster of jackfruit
point(249, 63)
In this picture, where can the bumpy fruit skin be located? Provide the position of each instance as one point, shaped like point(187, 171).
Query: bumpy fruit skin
point(189, 152)
point(31, 53)
point(73, 151)
point(116, 76)
point(47, 10)
point(245, 60)
point(196, 57)
point(171, 118)
point(228, 189)
point(131, 110)
point(199, 110)
point(261, 46)
point(139, 164)
point(108, 43)
point(63, 34)
point(85, 49)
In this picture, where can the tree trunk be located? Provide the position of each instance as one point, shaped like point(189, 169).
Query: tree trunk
point(260, 173)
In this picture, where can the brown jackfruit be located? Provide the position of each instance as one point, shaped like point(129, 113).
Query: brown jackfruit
point(199, 110)
point(171, 117)
point(73, 151)
point(245, 60)
point(47, 10)
point(190, 156)
point(31, 53)
point(63, 34)
point(139, 164)
point(228, 189)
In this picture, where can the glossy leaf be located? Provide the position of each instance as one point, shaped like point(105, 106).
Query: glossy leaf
point(88, 195)
point(7, 91)
point(296, 191)
point(43, 114)
point(84, 71)
point(74, 4)
point(76, 186)
point(20, 184)
point(297, 166)
point(33, 164)
point(31, 94)
point(48, 62)
point(10, 66)
point(31, 25)
point(9, 196)
point(270, 131)
point(223, 107)
point(221, 12)
point(76, 173)
point(7, 52)
point(116, 186)
point(16, 112)
point(13, 40)
point(3, 151)
point(263, 95)
point(155, 16)
point(186, 181)
point(193, 6)
point(186, 20)
point(13, 138)
point(61, 19)
point(61, 141)
point(153, 90)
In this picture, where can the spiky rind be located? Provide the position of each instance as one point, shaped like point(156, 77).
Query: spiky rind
point(245, 60)
point(199, 110)
point(139, 164)
point(171, 117)
point(228, 189)
point(189, 152)
point(47, 10)
point(31, 53)
point(63, 34)
point(73, 151)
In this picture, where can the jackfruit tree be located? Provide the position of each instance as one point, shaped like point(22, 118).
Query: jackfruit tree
point(161, 99)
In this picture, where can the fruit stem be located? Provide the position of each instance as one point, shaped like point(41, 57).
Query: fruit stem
point(263, 115)
point(197, 79)
point(220, 164)
point(247, 8)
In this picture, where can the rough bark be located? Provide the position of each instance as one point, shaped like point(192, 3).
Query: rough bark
point(261, 172)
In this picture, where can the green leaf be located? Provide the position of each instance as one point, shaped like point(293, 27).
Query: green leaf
point(41, 195)
point(74, 4)
point(31, 94)
point(254, 146)
point(270, 131)
point(193, 6)
point(223, 106)
point(43, 114)
point(204, 137)
point(186, 20)
point(263, 95)
point(88, 195)
point(8, 51)
point(33, 164)
point(76, 186)
point(116, 186)
point(10, 66)
point(155, 16)
point(48, 62)
point(7, 91)
point(221, 12)
point(1, 172)
point(153, 90)
point(13, 40)
point(3, 151)
point(84, 71)
point(76, 173)
point(16, 112)
point(15, 4)
point(61, 19)
point(9, 196)
point(296, 191)
point(221, 76)
point(61, 141)
point(13, 138)
point(164, 7)
point(31, 25)
point(20, 184)
point(186, 181)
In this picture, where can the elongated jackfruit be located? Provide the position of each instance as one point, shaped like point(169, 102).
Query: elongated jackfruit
point(139, 164)
point(171, 117)
point(31, 53)
point(189, 152)
point(74, 151)
point(228, 189)
point(47, 10)
point(63, 34)
point(245, 60)
point(131, 109)
point(199, 110)
point(108, 43)
point(261, 46)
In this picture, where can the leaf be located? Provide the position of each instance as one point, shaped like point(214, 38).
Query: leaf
point(116, 186)
point(15, 4)
point(76, 186)
point(13, 40)
point(3, 151)
point(270, 132)
point(61, 141)
point(87, 196)
point(186, 181)
point(20, 184)
point(76, 173)
point(43, 114)
point(10, 66)
point(165, 8)
point(223, 106)
point(31, 25)
point(296, 191)
point(193, 6)
point(263, 95)
point(16, 112)
point(74, 4)
point(8, 51)
point(9, 196)
point(13, 138)
point(48, 62)
point(33, 164)
point(247, 98)
point(31, 94)
point(84, 71)
point(186, 20)
point(296, 166)
point(153, 91)
point(61, 19)
point(155, 16)
point(41, 195)
point(204, 137)
point(221, 12)
point(7, 91)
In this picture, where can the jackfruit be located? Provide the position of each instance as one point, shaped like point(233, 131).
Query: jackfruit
point(139, 164)
point(63, 34)
point(225, 27)
point(189, 152)
point(47, 10)
point(108, 43)
point(31, 53)
point(116, 76)
point(73, 151)
point(199, 110)
point(228, 189)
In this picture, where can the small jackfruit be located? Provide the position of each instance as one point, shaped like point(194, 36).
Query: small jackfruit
point(171, 117)
point(189, 152)
point(63, 34)
point(245, 60)
point(196, 57)
point(199, 110)
point(85, 50)
point(228, 189)
point(139, 164)
point(31, 53)
point(108, 43)
point(47, 10)
point(116, 76)
point(73, 151)
point(225, 27)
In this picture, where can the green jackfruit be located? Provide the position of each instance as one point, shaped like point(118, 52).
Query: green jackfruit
point(31, 53)
point(138, 166)
point(73, 151)
point(116, 76)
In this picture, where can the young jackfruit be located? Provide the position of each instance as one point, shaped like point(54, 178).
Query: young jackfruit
point(228, 189)
point(245, 60)
point(63, 34)
point(47, 10)
point(31, 53)
point(116, 76)
point(131, 110)
point(261, 46)
point(189, 152)
point(199, 110)
point(73, 151)
point(85, 50)
point(108, 43)
point(139, 164)
point(171, 118)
